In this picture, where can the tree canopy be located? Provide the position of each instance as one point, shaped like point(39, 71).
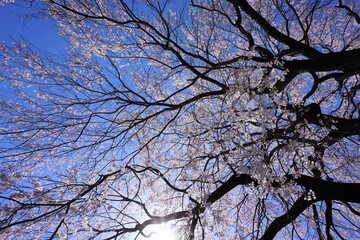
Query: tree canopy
point(235, 119)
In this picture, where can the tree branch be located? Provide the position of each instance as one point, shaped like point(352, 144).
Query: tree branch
point(280, 222)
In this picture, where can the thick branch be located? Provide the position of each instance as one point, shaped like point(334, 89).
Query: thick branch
point(339, 127)
point(231, 183)
point(273, 32)
point(349, 11)
point(280, 222)
point(324, 190)
point(327, 190)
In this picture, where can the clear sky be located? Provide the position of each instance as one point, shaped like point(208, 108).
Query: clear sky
point(40, 32)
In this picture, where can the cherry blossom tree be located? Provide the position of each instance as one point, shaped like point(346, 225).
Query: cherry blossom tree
point(235, 119)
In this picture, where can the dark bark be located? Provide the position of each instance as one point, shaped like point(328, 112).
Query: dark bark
point(324, 191)
point(273, 32)
point(280, 222)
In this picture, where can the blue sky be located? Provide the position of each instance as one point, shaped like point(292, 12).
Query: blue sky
point(40, 32)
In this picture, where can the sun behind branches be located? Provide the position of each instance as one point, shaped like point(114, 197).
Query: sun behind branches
point(162, 232)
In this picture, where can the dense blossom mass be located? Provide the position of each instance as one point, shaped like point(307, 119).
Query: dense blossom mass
point(235, 119)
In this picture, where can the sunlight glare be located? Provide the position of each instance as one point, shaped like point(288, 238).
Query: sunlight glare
point(162, 233)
